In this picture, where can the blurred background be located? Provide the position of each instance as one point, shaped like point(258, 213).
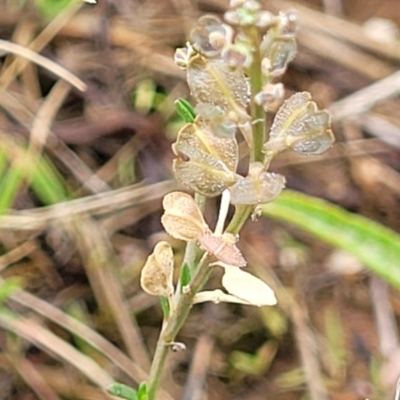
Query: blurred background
point(86, 124)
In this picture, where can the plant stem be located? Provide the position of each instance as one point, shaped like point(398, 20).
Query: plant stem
point(174, 324)
point(241, 215)
point(257, 112)
point(156, 368)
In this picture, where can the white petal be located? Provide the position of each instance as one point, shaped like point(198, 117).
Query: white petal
point(247, 287)
point(217, 296)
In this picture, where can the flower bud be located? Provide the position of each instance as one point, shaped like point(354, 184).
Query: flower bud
point(210, 36)
point(183, 56)
point(271, 96)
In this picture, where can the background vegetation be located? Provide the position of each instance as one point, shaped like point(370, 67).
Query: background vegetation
point(86, 123)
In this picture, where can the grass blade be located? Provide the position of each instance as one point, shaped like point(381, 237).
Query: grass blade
point(375, 245)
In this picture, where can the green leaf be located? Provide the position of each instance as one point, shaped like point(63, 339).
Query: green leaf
point(122, 391)
point(47, 183)
point(185, 110)
point(255, 364)
point(375, 245)
point(50, 8)
point(164, 306)
point(185, 277)
point(42, 176)
point(9, 185)
point(142, 391)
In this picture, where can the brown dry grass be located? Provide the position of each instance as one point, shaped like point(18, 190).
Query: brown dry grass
point(83, 320)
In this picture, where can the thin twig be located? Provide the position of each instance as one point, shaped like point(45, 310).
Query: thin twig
point(44, 339)
point(41, 40)
point(51, 66)
point(99, 260)
point(384, 316)
point(362, 101)
point(46, 115)
point(98, 204)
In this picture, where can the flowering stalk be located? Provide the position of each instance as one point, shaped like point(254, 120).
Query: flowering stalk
point(172, 327)
point(232, 72)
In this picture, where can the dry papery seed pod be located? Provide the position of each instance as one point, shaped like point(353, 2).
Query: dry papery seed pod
point(259, 187)
point(182, 218)
point(300, 126)
point(205, 163)
point(157, 273)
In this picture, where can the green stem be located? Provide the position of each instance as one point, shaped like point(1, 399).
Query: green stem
point(174, 324)
point(156, 369)
point(257, 112)
point(241, 215)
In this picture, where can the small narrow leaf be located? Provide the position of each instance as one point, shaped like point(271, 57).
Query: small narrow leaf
point(9, 186)
point(8, 288)
point(47, 183)
point(122, 391)
point(185, 110)
point(142, 391)
point(185, 276)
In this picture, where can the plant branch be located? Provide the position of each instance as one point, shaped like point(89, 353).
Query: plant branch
point(174, 324)
point(257, 111)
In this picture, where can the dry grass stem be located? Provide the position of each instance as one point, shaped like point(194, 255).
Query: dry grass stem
point(51, 66)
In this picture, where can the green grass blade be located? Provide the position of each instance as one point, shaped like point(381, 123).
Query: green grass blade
point(9, 186)
point(375, 245)
point(3, 163)
point(47, 183)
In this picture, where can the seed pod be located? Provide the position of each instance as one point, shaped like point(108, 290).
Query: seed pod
point(205, 163)
point(182, 218)
point(259, 187)
point(156, 276)
point(212, 81)
point(299, 125)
